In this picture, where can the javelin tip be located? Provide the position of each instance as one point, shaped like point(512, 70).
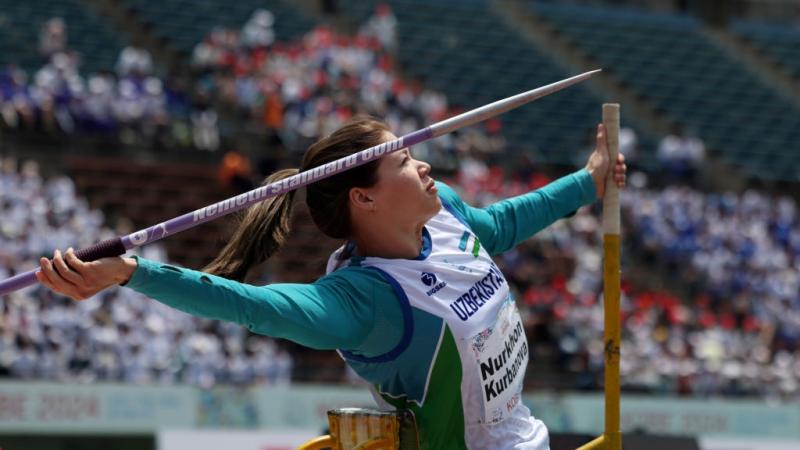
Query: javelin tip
point(588, 74)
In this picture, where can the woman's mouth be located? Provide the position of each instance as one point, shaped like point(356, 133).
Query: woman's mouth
point(431, 187)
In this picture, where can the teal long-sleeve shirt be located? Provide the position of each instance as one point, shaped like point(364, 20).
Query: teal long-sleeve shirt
point(354, 308)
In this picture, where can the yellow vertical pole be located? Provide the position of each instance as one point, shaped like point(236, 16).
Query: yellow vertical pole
point(611, 439)
point(611, 285)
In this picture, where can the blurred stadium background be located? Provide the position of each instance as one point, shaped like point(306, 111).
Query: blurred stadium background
point(118, 114)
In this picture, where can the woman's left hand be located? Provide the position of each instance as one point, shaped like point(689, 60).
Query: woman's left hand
point(598, 165)
point(79, 280)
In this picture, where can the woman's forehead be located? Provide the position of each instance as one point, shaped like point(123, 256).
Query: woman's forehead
point(396, 155)
point(392, 161)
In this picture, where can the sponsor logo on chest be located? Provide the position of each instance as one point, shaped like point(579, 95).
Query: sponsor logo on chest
point(429, 279)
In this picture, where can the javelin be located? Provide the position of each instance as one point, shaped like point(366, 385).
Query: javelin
point(120, 244)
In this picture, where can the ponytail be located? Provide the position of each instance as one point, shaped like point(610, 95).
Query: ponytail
point(266, 225)
point(260, 233)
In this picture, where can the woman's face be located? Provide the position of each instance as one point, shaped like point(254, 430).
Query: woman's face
point(404, 192)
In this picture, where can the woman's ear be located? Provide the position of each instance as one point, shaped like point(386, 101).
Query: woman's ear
point(362, 200)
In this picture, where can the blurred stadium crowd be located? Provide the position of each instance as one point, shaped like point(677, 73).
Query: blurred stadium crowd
point(119, 335)
point(130, 103)
point(730, 327)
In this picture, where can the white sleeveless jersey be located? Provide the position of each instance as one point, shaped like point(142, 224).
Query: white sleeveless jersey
point(462, 359)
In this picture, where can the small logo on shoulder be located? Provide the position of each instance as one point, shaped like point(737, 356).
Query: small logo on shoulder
point(429, 279)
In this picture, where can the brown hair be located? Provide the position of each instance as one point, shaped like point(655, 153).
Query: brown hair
point(265, 226)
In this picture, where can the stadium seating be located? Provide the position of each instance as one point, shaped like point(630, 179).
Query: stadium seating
point(463, 50)
point(89, 35)
point(667, 60)
point(779, 43)
point(184, 23)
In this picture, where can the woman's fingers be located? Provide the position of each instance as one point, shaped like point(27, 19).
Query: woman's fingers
point(620, 171)
point(65, 271)
point(41, 275)
point(51, 278)
point(602, 145)
point(75, 263)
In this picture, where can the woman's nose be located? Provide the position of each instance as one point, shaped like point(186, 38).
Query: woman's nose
point(424, 168)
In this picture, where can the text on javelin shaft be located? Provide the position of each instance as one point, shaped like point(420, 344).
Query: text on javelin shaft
point(309, 176)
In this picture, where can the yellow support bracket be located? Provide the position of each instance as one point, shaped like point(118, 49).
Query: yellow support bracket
point(318, 443)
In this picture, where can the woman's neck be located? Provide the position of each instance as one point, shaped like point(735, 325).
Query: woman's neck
point(390, 242)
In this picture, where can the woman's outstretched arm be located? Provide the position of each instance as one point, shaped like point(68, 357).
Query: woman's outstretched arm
point(336, 312)
point(505, 224)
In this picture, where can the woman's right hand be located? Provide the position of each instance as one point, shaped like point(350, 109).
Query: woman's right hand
point(599, 165)
point(79, 280)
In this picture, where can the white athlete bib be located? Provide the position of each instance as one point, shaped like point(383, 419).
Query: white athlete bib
point(501, 353)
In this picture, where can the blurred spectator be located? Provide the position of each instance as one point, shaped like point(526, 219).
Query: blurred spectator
point(207, 53)
point(235, 172)
point(382, 25)
point(257, 32)
point(629, 145)
point(681, 155)
point(205, 132)
point(53, 37)
point(16, 102)
point(98, 104)
point(134, 61)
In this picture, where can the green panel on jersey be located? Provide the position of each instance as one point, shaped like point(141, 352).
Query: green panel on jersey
point(441, 417)
point(476, 248)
